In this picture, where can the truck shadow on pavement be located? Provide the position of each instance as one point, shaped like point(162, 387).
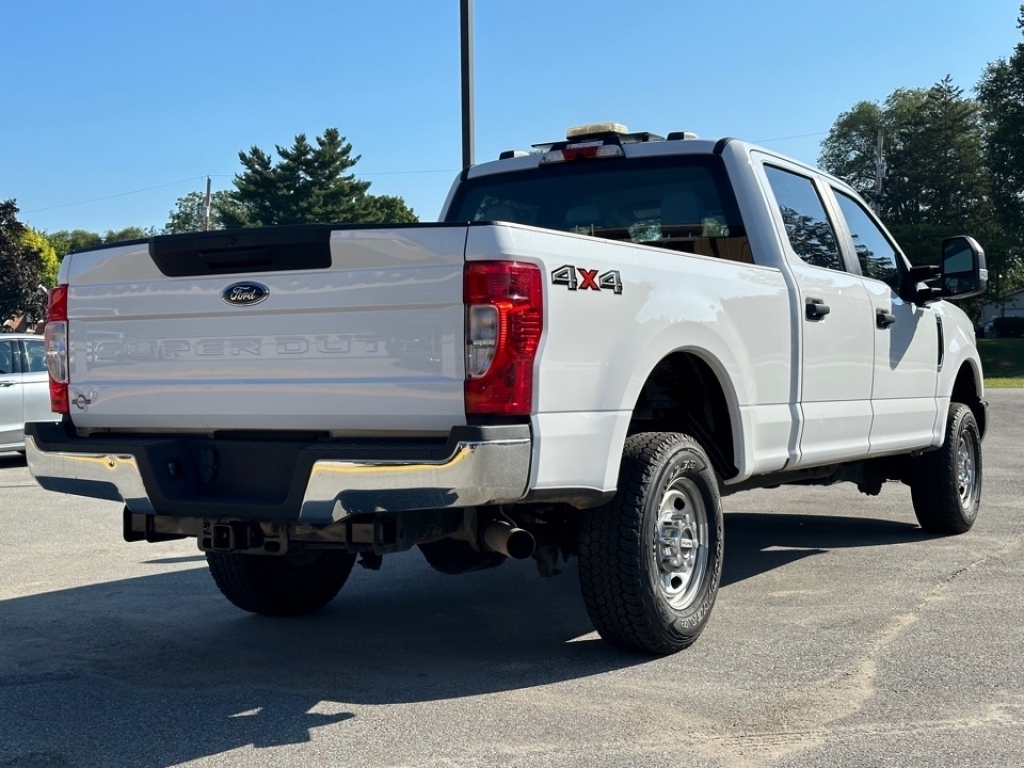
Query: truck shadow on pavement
point(158, 670)
point(758, 542)
point(11, 459)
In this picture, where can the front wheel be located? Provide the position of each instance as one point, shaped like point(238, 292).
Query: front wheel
point(946, 484)
point(287, 585)
point(650, 560)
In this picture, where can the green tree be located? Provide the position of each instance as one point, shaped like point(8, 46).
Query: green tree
point(935, 183)
point(128, 233)
point(21, 268)
point(1001, 95)
point(849, 150)
point(308, 184)
point(189, 212)
point(49, 264)
point(387, 209)
point(65, 241)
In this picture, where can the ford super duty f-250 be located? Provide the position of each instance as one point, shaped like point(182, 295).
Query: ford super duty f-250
point(597, 341)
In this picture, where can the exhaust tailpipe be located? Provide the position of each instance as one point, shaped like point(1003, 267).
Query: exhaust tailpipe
point(502, 538)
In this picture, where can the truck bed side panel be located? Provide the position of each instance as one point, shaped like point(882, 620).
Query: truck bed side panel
point(600, 346)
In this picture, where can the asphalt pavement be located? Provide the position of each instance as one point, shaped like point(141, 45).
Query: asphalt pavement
point(842, 636)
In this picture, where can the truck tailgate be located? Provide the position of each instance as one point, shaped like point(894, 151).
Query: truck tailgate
point(366, 335)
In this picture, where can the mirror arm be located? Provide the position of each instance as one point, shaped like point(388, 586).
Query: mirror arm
point(927, 295)
point(925, 273)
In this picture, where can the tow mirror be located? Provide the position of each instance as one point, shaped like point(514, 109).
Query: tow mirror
point(964, 273)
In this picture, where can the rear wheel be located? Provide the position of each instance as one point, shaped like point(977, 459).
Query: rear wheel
point(946, 483)
point(290, 585)
point(651, 559)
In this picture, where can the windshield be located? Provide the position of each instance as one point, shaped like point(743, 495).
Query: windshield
point(682, 202)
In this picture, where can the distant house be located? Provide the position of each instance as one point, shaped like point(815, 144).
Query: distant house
point(1010, 305)
point(19, 324)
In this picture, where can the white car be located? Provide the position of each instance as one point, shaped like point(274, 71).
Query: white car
point(24, 388)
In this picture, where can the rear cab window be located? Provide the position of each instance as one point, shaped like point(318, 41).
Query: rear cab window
point(682, 203)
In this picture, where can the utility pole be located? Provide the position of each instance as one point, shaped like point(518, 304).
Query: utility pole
point(206, 207)
point(467, 82)
point(879, 173)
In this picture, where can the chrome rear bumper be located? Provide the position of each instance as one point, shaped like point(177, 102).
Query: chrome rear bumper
point(480, 466)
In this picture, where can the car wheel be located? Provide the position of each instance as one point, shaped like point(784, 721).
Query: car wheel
point(287, 585)
point(650, 560)
point(946, 483)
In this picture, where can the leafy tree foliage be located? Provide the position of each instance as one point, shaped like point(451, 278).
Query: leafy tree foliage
point(935, 173)
point(1001, 95)
point(849, 150)
point(308, 184)
point(65, 241)
point(189, 212)
point(389, 209)
point(49, 264)
point(21, 267)
point(128, 233)
point(937, 182)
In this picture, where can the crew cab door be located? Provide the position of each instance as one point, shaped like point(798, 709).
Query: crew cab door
point(833, 324)
point(903, 396)
point(35, 383)
point(11, 415)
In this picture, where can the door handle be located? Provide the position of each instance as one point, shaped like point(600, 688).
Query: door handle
point(884, 319)
point(817, 309)
point(6, 383)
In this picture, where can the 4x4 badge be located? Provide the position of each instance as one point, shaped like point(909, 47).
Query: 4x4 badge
point(588, 279)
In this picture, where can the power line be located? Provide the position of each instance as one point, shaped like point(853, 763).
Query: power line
point(116, 194)
point(215, 175)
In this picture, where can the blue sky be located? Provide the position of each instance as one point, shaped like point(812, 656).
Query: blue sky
point(112, 109)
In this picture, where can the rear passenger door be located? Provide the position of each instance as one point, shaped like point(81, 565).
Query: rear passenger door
point(836, 348)
point(11, 418)
point(906, 337)
point(35, 382)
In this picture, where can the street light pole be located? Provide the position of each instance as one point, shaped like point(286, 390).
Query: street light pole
point(467, 82)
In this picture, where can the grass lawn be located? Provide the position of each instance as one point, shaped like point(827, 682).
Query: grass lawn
point(1003, 362)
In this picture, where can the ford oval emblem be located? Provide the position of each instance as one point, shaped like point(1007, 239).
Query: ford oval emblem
point(245, 294)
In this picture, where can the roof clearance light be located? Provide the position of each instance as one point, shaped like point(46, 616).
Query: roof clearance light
point(592, 128)
point(588, 150)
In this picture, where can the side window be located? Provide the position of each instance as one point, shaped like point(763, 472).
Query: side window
point(36, 356)
point(807, 225)
point(877, 256)
point(6, 357)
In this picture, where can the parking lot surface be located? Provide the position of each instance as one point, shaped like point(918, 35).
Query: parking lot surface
point(842, 636)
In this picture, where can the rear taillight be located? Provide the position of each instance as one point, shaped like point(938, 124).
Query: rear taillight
point(504, 319)
point(55, 337)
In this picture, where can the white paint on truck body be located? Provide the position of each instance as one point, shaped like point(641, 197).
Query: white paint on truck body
point(373, 343)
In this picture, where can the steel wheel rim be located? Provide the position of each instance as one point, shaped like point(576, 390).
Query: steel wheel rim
point(681, 542)
point(966, 471)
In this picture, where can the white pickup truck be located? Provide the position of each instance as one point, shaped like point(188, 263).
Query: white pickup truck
point(599, 339)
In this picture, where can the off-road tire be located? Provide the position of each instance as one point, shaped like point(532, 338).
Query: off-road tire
point(946, 483)
point(453, 557)
point(667, 491)
point(288, 585)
